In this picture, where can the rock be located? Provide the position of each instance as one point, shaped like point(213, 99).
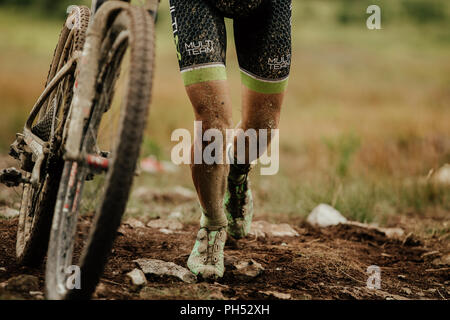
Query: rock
point(169, 224)
point(137, 278)
point(175, 215)
point(324, 216)
point(392, 232)
point(185, 193)
point(442, 175)
point(406, 290)
point(247, 270)
point(163, 268)
point(166, 231)
point(38, 295)
point(265, 229)
point(442, 261)
point(23, 283)
point(8, 213)
point(134, 223)
point(175, 195)
point(278, 295)
point(230, 262)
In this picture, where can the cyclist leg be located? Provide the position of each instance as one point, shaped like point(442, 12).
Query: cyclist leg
point(200, 38)
point(263, 43)
point(264, 56)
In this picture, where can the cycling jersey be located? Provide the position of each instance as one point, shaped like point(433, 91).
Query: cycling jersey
point(262, 31)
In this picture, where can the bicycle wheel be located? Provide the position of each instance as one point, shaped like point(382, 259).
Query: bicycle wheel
point(37, 204)
point(126, 58)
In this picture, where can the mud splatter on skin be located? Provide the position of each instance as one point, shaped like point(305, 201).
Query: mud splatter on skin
point(212, 105)
point(259, 111)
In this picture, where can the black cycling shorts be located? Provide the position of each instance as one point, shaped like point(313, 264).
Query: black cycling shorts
point(262, 32)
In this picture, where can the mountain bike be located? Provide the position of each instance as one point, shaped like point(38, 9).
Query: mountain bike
point(81, 142)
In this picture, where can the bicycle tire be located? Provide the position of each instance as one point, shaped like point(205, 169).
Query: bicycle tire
point(37, 206)
point(122, 167)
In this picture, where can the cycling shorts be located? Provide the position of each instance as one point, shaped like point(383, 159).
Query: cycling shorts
point(262, 32)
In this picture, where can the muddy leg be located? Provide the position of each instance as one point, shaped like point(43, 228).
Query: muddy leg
point(259, 111)
point(212, 106)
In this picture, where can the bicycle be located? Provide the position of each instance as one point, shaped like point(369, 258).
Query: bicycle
point(62, 143)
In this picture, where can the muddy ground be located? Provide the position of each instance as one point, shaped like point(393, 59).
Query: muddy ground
point(328, 263)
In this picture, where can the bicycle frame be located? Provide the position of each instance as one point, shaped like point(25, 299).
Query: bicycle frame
point(81, 105)
point(38, 147)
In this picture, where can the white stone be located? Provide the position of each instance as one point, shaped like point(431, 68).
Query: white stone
point(389, 232)
point(8, 213)
point(407, 290)
point(175, 215)
point(247, 270)
point(185, 193)
point(163, 268)
point(324, 216)
point(166, 231)
point(137, 277)
point(442, 175)
point(134, 223)
point(392, 232)
point(170, 224)
point(266, 229)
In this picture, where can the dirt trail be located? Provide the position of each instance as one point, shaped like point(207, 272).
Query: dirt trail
point(326, 263)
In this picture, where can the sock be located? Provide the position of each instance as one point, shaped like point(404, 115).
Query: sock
point(213, 224)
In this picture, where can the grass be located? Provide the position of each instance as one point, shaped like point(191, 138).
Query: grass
point(365, 119)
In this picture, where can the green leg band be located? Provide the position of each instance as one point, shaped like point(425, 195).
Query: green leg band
point(203, 74)
point(263, 86)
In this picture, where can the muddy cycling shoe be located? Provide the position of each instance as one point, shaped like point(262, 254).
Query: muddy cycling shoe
point(206, 259)
point(238, 201)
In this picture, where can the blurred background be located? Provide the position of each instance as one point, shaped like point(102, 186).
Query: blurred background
point(366, 116)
